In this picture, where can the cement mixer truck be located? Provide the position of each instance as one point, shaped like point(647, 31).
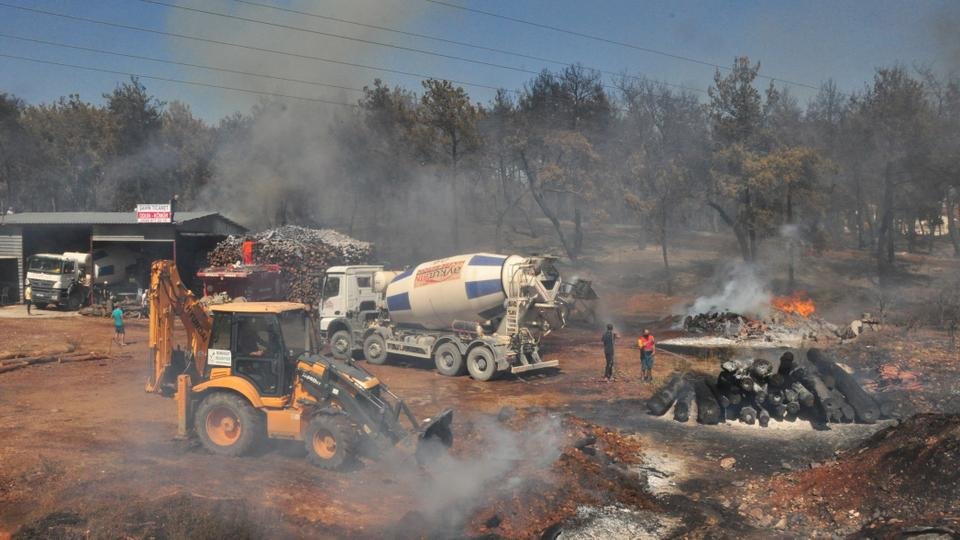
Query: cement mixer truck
point(481, 313)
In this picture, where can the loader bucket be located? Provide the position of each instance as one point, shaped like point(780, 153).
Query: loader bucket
point(435, 437)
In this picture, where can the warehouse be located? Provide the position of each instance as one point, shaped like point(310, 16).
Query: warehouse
point(134, 237)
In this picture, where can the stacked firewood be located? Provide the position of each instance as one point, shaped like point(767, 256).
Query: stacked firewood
point(754, 392)
point(304, 255)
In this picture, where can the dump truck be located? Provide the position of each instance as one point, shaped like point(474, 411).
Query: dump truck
point(479, 313)
point(252, 371)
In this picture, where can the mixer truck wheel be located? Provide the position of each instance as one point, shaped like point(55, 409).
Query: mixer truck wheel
point(481, 363)
point(341, 344)
point(449, 360)
point(375, 349)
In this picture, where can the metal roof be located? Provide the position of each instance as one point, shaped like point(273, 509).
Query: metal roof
point(91, 218)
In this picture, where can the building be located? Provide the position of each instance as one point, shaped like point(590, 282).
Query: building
point(185, 237)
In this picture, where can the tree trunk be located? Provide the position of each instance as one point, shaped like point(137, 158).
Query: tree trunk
point(886, 233)
point(577, 231)
point(545, 208)
point(456, 194)
point(663, 248)
point(952, 221)
point(737, 230)
point(791, 242)
point(861, 240)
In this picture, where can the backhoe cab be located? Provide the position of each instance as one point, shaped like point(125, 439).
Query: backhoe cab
point(254, 370)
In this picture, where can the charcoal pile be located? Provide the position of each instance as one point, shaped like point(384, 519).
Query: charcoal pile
point(815, 388)
point(304, 255)
point(725, 323)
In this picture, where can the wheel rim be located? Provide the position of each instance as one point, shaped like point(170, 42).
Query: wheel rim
point(341, 345)
point(481, 362)
point(446, 359)
point(324, 444)
point(374, 349)
point(223, 426)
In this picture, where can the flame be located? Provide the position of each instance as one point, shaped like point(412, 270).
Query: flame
point(796, 303)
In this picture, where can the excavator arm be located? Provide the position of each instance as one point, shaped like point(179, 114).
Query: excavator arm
point(170, 299)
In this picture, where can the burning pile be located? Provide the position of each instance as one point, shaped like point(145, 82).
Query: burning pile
point(304, 255)
point(726, 324)
point(754, 392)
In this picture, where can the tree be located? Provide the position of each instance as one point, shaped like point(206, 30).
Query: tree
point(448, 111)
point(15, 151)
point(134, 120)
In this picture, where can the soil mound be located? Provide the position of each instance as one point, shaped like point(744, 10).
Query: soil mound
point(903, 477)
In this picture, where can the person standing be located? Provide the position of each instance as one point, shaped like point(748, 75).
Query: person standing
point(608, 339)
point(118, 336)
point(648, 346)
point(27, 296)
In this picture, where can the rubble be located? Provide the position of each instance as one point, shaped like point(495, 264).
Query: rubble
point(303, 253)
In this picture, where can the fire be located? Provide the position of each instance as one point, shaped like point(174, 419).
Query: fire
point(796, 303)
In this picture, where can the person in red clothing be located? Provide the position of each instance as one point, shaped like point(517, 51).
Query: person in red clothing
point(648, 346)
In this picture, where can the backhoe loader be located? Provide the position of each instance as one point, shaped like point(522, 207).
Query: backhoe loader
point(253, 370)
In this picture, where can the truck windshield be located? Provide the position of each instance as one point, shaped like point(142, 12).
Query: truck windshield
point(45, 265)
point(296, 332)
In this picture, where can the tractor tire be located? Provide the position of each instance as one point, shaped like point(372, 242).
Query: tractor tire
point(449, 360)
point(341, 344)
point(481, 363)
point(375, 349)
point(330, 441)
point(228, 425)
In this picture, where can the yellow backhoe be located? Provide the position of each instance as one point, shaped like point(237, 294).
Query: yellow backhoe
point(253, 370)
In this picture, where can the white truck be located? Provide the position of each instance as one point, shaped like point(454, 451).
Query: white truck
point(65, 279)
point(60, 279)
point(480, 313)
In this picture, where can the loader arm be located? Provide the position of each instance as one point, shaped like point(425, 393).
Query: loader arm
point(169, 298)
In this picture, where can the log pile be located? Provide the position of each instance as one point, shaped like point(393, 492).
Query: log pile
point(815, 388)
point(304, 255)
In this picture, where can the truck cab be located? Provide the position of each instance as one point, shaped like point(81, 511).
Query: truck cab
point(350, 297)
point(59, 279)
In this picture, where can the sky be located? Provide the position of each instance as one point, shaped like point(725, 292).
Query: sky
point(805, 42)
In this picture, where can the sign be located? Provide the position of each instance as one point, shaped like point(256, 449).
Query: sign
point(154, 213)
point(219, 357)
point(438, 273)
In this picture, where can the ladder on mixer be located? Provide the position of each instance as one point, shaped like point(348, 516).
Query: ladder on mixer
point(513, 316)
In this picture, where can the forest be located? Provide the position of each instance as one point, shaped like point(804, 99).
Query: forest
point(877, 169)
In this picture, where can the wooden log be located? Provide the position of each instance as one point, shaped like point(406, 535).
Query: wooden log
point(685, 396)
point(804, 396)
point(824, 398)
point(779, 412)
point(660, 403)
point(763, 418)
point(786, 364)
point(708, 410)
point(760, 369)
point(864, 406)
point(748, 415)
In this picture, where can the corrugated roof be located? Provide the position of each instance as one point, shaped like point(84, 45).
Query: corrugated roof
point(91, 218)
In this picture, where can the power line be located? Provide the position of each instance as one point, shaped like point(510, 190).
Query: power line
point(451, 41)
point(369, 42)
point(176, 63)
point(242, 46)
point(607, 40)
point(339, 36)
point(177, 81)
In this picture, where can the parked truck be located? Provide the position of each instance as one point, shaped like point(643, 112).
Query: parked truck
point(64, 279)
point(60, 279)
point(481, 313)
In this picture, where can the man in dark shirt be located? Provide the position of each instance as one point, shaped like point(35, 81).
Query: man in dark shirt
point(609, 337)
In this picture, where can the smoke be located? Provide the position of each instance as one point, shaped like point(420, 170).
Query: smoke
point(948, 39)
point(743, 291)
point(302, 162)
point(454, 487)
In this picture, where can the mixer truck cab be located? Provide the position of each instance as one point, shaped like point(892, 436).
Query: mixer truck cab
point(480, 313)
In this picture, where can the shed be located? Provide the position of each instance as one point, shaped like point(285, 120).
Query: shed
point(186, 239)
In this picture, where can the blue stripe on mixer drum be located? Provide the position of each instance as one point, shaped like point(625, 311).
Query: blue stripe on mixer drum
point(476, 289)
point(398, 302)
point(401, 276)
point(486, 260)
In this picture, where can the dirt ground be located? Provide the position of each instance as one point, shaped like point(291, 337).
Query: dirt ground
point(85, 452)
